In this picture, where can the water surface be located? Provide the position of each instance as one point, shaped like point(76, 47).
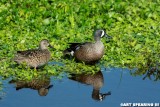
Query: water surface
point(124, 88)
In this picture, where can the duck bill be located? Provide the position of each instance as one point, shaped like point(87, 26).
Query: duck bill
point(107, 36)
point(50, 86)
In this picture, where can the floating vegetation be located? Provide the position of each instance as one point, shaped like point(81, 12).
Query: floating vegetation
point(133, 25)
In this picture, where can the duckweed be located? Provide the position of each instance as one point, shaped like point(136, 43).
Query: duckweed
point(134, 26)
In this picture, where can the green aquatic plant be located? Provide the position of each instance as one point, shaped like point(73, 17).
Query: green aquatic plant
point(133, 25)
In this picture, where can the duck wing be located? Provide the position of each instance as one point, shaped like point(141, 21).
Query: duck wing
point(75, 46)
point(27, 53)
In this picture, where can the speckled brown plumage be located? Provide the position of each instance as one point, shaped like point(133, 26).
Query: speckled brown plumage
point(36, 57)
point(88, 52)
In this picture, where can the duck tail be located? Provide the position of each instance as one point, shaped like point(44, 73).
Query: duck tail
point(71, 49)
point(66, 52)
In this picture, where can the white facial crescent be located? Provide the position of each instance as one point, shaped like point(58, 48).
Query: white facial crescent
point(102, 33)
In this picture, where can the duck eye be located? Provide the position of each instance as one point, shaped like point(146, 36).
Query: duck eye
point(44, 43)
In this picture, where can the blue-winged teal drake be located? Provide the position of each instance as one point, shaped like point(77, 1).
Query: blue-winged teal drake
point(95, 80)
point(36, 57)
point(88, 52)
point(42, 85)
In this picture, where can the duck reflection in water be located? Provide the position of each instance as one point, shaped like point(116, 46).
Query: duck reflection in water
point(42, 85)
point(95, 80)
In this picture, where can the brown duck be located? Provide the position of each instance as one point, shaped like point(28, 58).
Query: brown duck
point(88, 52)
point(36, 57)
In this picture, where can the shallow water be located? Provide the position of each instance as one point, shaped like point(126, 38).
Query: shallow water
point(124, 88)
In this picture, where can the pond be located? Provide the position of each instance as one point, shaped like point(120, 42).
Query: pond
point(116, 84)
